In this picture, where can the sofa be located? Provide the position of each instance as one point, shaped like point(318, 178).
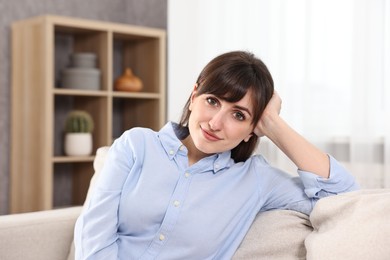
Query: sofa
point(354, 225)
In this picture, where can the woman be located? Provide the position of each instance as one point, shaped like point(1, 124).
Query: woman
point(192, 190)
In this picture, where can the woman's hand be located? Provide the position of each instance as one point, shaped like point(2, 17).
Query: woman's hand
point(271, 111)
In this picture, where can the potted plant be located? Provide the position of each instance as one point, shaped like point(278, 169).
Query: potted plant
point(78, 133)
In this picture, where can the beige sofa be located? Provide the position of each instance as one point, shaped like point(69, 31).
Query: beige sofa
point(354, 226)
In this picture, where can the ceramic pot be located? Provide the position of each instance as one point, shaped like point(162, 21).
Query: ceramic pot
point(78, 144)
point(128, 82)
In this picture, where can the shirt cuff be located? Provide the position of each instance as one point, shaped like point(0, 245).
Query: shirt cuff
point(339, 181)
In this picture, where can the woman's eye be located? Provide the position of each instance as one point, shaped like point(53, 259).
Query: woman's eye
point(239, 116)
point(212, 101)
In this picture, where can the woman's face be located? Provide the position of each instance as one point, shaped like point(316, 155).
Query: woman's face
point(216, 125)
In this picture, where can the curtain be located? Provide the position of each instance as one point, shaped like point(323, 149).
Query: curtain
point(330, 60)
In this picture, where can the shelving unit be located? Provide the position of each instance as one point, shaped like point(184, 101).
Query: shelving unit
point(42, 177)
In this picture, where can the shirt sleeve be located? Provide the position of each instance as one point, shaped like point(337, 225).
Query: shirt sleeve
point(96, 228)
point(339, 181)
point(283, 191)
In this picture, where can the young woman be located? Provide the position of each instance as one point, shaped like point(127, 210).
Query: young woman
point(192, 190)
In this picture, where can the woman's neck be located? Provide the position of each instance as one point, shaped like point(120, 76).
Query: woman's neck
point(194, 155)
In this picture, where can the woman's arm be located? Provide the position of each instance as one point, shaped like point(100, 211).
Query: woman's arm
point(304, 154)
point(96, 228)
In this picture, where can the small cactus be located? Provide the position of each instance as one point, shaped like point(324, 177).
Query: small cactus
point(79, 121)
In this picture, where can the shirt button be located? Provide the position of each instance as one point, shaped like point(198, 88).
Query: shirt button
point(176, 203)
point(181, 147)
point(216, 166)
point(161, 237)
point(187, 175)
point(171, 152)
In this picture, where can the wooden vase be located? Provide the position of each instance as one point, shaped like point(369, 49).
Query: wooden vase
point(128, 82)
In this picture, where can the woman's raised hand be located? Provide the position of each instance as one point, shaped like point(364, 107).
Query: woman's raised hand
point(271, 111)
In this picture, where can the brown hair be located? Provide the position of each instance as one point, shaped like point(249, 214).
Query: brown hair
point(230, 76)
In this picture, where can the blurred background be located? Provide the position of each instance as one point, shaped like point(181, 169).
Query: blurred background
point(330, 60)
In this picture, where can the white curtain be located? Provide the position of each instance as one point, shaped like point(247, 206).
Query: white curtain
point(330, 60)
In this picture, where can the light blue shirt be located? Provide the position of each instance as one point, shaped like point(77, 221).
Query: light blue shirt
point(150, 204)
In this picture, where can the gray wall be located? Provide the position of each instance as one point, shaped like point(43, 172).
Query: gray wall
point(152, 13)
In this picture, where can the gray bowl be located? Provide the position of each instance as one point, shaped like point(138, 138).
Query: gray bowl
point(81, 78)
point(83, 60)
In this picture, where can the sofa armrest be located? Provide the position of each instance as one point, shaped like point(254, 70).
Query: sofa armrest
point(38, 235)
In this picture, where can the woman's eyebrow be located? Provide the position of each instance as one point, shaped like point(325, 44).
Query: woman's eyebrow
point(243, 108)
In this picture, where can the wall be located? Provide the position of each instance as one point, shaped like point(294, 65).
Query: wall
point(152, 13)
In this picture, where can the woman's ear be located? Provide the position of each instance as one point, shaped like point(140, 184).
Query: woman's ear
point(246, 139)
point(193, 94)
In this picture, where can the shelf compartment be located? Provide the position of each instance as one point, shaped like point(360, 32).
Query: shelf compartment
point(142, 55)
point(70, 183)
point(70, 40)
point(96, 106)
point(129, 113)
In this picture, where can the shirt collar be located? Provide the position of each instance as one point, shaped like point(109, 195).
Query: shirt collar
point(170, 142)
point(169, 136)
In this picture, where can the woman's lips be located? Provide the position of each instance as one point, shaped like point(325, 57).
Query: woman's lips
point(209, 136)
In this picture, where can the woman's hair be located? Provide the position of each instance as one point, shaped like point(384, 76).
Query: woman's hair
point(229, 77)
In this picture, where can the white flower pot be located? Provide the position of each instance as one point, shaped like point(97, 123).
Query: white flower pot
point(78, 144)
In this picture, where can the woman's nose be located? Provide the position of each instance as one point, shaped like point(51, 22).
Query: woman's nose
point(216, 121)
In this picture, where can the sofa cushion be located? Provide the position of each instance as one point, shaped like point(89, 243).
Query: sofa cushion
point(37, 235)
point(351, 226)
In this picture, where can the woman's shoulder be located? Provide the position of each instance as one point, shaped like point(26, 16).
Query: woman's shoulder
point(137, 135)
point(258, 160)
point(255, 164)
point(137, 132)
point(259, 164)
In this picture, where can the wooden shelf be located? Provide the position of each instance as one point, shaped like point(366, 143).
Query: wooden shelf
point(136, 95)
point(71, 159)
point(99, 93)
point(42, 177)
point(79, 92)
